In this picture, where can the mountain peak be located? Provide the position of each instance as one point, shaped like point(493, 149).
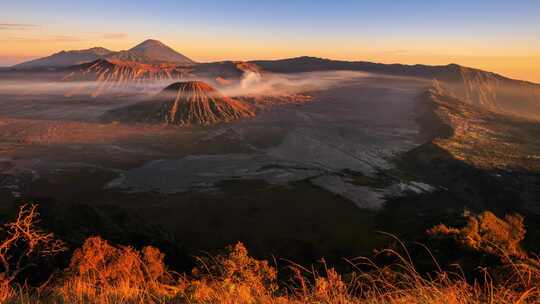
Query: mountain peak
point(152, 51)
point(149, 43)
point(199, 88)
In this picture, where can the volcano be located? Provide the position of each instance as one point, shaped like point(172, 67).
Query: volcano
point(153, 52)
point(184, 103)
point(150, 51)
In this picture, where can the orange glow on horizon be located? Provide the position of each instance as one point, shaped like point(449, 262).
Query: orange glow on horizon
point(516, 65)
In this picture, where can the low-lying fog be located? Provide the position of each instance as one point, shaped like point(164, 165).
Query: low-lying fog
point(88, 100)
point(251, 84)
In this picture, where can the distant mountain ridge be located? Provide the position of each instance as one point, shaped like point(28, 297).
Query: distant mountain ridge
point(488, 90)
point(66, 58)
point(152, 60)
point(149, 52)
point(309, 64)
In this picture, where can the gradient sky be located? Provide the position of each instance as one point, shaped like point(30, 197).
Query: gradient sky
point(500, 36)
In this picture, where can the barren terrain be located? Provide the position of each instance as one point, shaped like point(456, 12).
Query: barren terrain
point(333, 155)
point(331, 147)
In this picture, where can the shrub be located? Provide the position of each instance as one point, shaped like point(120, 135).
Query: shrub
point(487, 233)
point(99, 270)
point(233, 277)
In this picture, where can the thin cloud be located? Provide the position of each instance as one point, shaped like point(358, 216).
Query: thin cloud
point(17, 26)
point(114, 35)
point(53, 38)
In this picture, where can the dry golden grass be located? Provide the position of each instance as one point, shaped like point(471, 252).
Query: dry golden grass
point(103, 273)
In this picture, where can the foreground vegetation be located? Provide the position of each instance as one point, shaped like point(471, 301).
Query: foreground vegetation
point(100, 272)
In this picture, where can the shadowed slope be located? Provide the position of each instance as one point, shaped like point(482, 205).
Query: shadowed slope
point(481, 137)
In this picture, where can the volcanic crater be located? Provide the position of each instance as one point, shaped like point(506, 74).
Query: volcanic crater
point(184, 103)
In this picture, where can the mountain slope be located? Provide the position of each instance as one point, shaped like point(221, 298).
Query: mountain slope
point(480, 159)
point(476, 87)
point(184, 103)
point(103, 76)
point(104, 70)
point(478, 136)
point(66, 58)
point(107, 75)
point(225, 69)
